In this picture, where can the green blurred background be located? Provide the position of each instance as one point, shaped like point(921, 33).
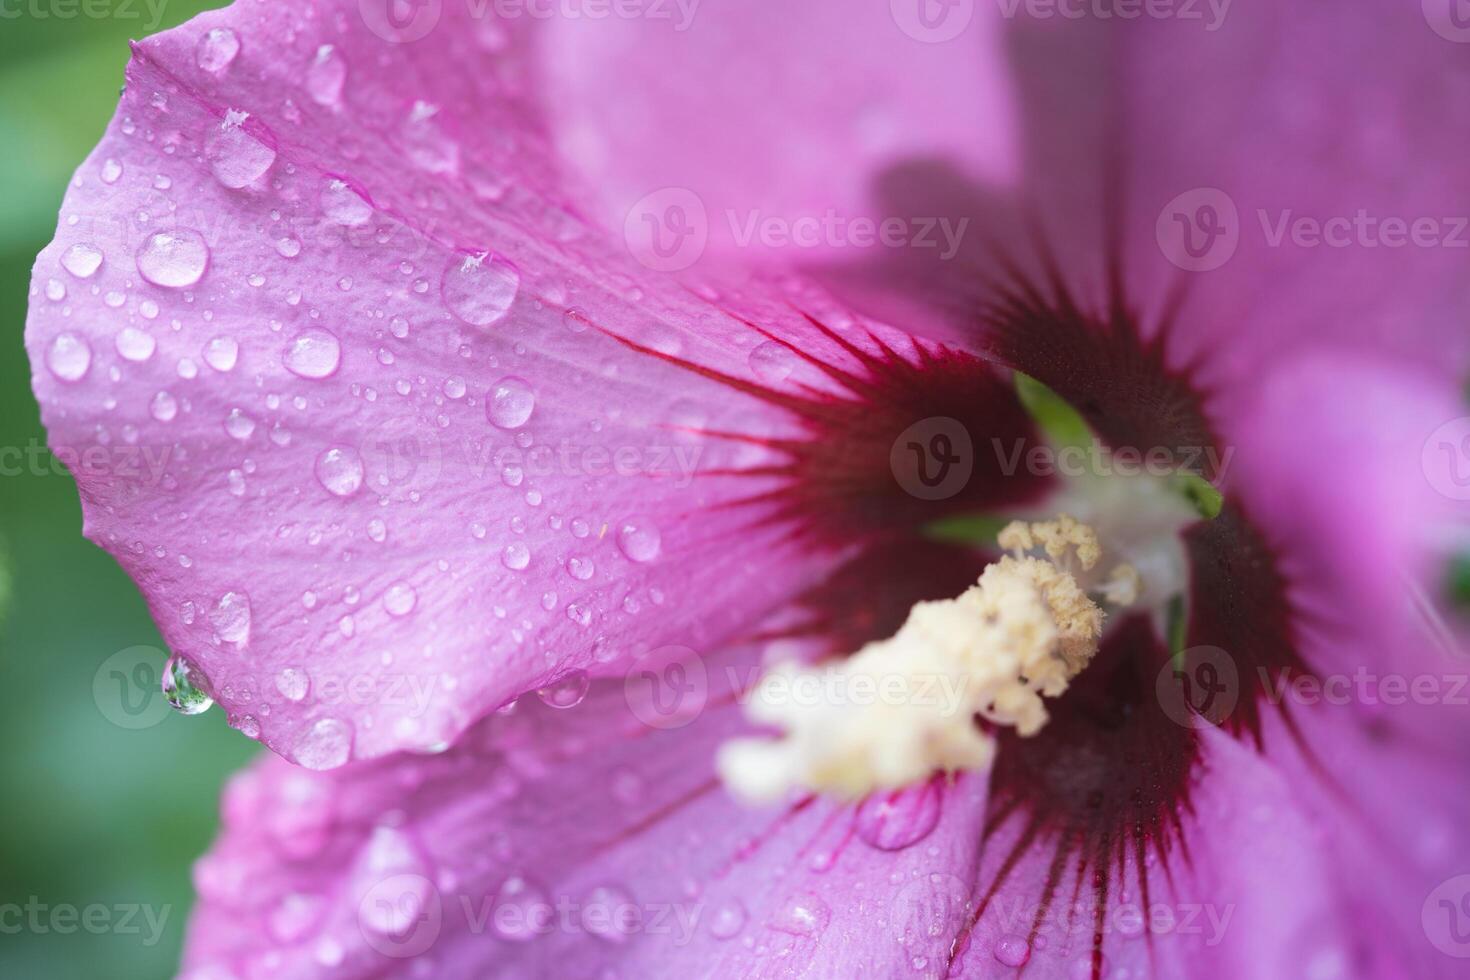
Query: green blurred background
point(96, 811)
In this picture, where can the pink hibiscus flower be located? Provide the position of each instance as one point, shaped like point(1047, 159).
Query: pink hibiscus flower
point(620, 353)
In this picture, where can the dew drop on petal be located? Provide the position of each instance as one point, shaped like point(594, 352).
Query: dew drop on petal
point(217, 49)
point(639, 540)
point(239, 425)
point(237, 157)
point(82, 260)
point(400, 599)
point(69, 357)
point(892, 821)
point(340, 471)
point(580, 568)
point(325, 745)
point(314, 354)
point(479, 289)
point(325, 77)
point(135, 345)
point(1012, 950)
point(112, 171)
point(610, 907)
point(180, 688)
point(567, 692)
point(344, 205)
point(222, 353)
point(516, 556)
point(173, 259)
point(292, 683)
point(510, 403)
point(728, 920)
point(164, 407)
point(522, 911)
point(804, 915)
point(772, 361)
point(230, 617)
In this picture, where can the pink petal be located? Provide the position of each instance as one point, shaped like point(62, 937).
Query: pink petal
point(457, 861)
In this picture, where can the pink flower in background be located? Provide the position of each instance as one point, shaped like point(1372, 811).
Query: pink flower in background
point(463, 353)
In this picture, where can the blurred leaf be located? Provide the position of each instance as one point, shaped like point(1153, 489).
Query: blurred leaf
point(1060, 422)
point(6, 578)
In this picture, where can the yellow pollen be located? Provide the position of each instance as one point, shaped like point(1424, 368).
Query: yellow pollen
point(902, 708)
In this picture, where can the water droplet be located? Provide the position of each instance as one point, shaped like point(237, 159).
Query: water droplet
point(325, 745)
point(639, 540)
point(82, 260)
point(479, 289)
point(522, 911)
point(728, 920)
point(1012, 951)
point(377, 530)
point(55, 290)
point(325, 77)
point(112, 171)
point(180, 688)
point(340, 471)
point(772, 361)
point(610, 909)
point(217, 49)
point(135, 345)
point(292, 683)
point(344, 205)
point(230, 617)
point(222, 353)
point(247, 726)
point(400, 599)
point(892, 821)
point(510, 403)
point(567, 692)
point(288, 247)
point(239, 425)
point(428, 146)
point(454, 388)
point(237, 157)
point(69, 357)
point(173, 259)
point(516, 556)
point(580, 568)
point(314, 354)
point(804, 915)
point(164, 407)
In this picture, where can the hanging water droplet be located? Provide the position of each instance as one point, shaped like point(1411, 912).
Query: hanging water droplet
point(516, 556)
point(510, 403)
point(400, 599)
point(69, 357)
point(164, 407)
point(772, 361)
point(479, 289)
point(82, 260)
point(639, 540)
point(180, 689)
point(325, 77)
point(522, 910)
point(135, 345)
point(340, 471)
point(222, 353)
point(174, 259)
point(342, 204)
point(230, 617)
point(217, 49)
point(247, 726)
point(567, 692)
point(237, 157)
point(314, 354)
point(325, 745)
